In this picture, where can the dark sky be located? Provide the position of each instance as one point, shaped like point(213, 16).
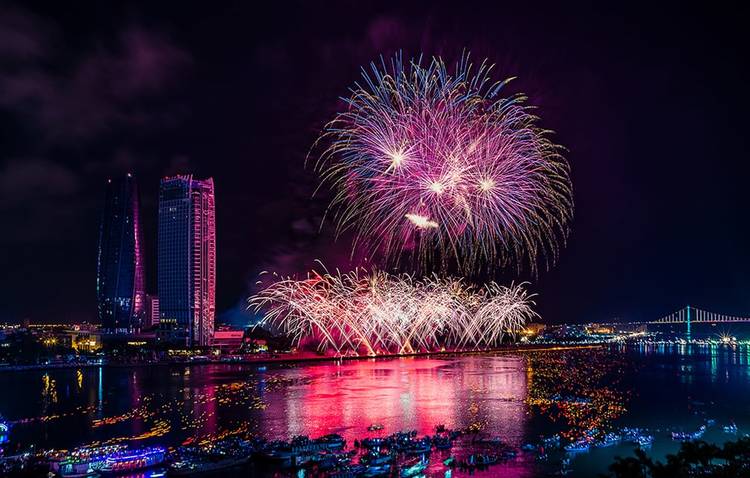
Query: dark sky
point(651, 102)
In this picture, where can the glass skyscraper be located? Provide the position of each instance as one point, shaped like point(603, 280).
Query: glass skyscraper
point(187, 257)
point(119, 279)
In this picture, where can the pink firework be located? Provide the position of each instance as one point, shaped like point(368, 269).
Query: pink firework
point(440, 170)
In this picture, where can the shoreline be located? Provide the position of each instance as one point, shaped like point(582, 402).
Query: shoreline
point(307, 359)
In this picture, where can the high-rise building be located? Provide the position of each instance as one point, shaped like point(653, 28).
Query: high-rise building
point(187, 257)
point(119, 278)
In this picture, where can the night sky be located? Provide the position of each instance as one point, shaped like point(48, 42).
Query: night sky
point(651, 102)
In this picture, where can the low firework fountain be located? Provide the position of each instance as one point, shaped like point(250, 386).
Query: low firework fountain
point(372, 313)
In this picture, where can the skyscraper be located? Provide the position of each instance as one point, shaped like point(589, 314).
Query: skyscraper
point(187, 257)
point(119, 278)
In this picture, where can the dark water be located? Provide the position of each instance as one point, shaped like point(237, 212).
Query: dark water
point(516, 397)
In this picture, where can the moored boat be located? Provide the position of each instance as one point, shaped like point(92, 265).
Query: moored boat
point(84, 461)
point(132, 460)
point(413, 469)
point(578, 446)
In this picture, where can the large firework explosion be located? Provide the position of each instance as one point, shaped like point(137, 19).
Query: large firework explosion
point(374, 313)
point(440, 170)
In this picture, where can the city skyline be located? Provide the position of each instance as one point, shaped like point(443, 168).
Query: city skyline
point(483, 239)
point(654, 141)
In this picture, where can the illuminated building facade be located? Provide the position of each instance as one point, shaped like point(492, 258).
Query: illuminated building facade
point(120, 277)
point(152, 311)
point(187, 257)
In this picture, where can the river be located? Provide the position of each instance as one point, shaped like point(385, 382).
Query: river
point(517, 397)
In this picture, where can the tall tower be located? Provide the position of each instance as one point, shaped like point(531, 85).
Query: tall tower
point(119, 278)
point(187, 257)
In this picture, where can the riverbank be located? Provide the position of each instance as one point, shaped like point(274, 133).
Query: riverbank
point(301, 358)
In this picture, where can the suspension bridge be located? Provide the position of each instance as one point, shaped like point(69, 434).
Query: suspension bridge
point(689, 315)
point(694, 315)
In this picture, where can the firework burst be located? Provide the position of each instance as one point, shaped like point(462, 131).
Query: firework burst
point(439, 169)
point(376, 312)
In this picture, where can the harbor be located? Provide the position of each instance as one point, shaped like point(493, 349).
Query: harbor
point(546, 413)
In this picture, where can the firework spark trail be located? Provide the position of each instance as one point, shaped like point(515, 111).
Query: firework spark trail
point(378, 312)
point(440, 169)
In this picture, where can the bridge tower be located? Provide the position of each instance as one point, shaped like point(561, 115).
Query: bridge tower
point(688, 322)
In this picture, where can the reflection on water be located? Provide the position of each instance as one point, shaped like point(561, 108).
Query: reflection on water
point(402, 395)
point(579, 391)
point(517, 397)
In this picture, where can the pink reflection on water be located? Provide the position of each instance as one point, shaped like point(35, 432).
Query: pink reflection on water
point(404, 394)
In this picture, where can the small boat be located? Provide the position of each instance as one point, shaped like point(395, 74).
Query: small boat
point(373, 442)
point(375, 427)
point(422, 449)
point(198, 466)
point(644, 441)
point(687, 436)
point(608, 440)
point(414, 469)
point(133, 461)
point(551, 441)
point(442, 443)
point(373, 471)
point(578, 446)
point(731, 428)
point(494, 441)
point(371, 459)
point(4, 430)
point(479, 461)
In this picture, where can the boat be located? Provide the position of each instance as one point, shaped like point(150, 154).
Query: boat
point(4, 431)
point(494, 441)
point(375, 427)
point(608, 440)
point(644, 441)
point(687, 436)
point(83, 461)
point(413, 469)
point(578, 446)
point(133, 460)
point(332, 441)
point(731, 428)
point(442, 443)
point(206, 465)
point(217, 456)
point(474, 461)
point(343, 473)
point(373, 458)
point(373, 471)
point(421, 447)
point(373, 442)
point(551, 441)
